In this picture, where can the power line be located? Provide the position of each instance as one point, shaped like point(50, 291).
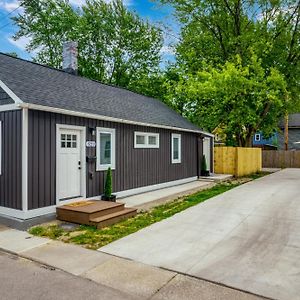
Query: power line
point(5, 25)
point(11, 12)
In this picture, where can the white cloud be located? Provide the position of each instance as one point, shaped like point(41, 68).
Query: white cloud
point(9, 5)
point(81, 2)
point(20, 43)
point(167, 50)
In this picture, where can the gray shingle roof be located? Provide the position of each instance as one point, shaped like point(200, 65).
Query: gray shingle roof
point(38, 84)
point(294, 121)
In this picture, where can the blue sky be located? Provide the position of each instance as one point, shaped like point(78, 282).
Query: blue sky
point(147, 9)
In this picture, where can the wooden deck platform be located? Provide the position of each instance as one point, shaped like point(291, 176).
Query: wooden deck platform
point(94, 212)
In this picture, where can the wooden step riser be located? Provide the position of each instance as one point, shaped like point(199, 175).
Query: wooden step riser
point(114, 220)
point(73, 217)
point(106, 212)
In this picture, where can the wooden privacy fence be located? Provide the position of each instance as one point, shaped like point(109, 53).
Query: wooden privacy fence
point(280, 159)
point(237, 161)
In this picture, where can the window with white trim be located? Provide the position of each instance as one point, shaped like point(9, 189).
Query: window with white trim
point(0, 147)
point(257, 137)
point(106, 148)
point(146, 140)
point(176, 148)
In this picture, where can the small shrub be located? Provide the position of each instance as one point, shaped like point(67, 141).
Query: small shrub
point(108, 184)
point(203, 163)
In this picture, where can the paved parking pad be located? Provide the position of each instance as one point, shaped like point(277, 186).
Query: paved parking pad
point(247, 238)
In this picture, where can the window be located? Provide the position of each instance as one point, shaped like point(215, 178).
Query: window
point(106, 139)
point(146, 140)
point(176, 148)
point(257, 137)
point(68, 140)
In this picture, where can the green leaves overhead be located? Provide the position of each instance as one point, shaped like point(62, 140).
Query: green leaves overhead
point(239, 64)
point(115, 45)
point(240, 99)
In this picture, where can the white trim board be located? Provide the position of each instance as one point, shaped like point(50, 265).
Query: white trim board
point(10, 93)
point(25, 159)
point(9, 107)
point(105, 118)
point(154, 187)
point(24, 215)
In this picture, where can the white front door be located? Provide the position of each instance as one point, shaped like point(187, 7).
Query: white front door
point(206, 151)
point(69, 164)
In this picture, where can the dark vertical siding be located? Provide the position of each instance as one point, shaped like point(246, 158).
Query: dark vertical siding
point(134, 167)
point(11, 178)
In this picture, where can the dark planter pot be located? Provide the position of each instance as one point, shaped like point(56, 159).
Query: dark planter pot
point(204, 173)
point(111, 198)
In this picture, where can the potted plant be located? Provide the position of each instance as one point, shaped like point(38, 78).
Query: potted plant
point(204, 171)
point(108, 196)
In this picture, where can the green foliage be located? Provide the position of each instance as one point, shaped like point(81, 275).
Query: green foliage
point(115, 45)
point(52, 231)
point(241, 98)
point(213, 34)
point(108, 183)
point(13, 54)
point(203, 163)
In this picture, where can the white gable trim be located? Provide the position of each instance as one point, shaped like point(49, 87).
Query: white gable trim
point(8, 107)
point(105, 118)
point(11, 94)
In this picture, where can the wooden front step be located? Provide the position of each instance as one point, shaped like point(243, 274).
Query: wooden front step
point(83, 211)
point(113, 218)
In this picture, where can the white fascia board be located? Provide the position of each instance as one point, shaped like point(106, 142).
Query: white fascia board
point(105, 118)
point(11, 94)
point(9, 107)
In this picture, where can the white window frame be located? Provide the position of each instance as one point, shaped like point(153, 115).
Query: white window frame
point(146, 135)
point(0, 147)
point(112, 165)
point(177, 160)
point(255, 137)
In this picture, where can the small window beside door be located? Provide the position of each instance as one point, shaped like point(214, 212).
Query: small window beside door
point(146, 140)
point(106, 140)
point(176, 148)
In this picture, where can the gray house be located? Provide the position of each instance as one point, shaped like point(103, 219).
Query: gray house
point(294, 133)
point(59, 133)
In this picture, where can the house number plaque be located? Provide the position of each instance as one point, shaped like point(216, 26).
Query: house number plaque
point(91, 144)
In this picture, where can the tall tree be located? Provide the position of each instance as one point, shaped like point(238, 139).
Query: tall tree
point(115, 45)
point(240, 99)
point(215, 31)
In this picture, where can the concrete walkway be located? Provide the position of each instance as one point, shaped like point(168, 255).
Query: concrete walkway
point(148, 200)
point(247, 238)
point(73, 272)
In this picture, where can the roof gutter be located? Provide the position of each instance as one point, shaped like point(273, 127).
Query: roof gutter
point(104, 118)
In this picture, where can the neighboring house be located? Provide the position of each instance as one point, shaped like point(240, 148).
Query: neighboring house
point(266, 143)
point(59, 133)
point(294, 133)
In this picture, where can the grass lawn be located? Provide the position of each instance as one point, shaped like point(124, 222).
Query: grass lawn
point(93, 238)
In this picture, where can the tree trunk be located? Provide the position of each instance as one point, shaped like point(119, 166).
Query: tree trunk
point(286, 131)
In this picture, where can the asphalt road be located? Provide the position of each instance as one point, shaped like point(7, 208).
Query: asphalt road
point(247, 238)
point(24, 279)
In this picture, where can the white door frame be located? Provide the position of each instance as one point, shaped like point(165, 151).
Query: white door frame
point(208, 159)
point(82, 130)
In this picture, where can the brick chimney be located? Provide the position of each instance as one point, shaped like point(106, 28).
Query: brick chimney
point(70, 53)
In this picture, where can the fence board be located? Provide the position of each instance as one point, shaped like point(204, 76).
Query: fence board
point(237, 161)
point(280, 159)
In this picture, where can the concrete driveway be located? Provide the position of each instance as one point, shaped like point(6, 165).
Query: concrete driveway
point(247, 238)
